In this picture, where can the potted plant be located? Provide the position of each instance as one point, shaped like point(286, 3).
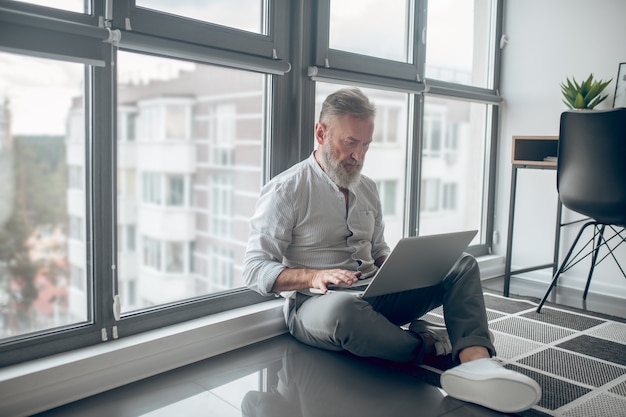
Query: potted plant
point(585, 95)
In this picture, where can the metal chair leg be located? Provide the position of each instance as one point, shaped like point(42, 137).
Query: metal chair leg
point(594, 259)
point(563, 265)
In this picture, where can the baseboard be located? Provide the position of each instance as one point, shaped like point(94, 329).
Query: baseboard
point(40, 385)
point(542, 279)
point(490, 266)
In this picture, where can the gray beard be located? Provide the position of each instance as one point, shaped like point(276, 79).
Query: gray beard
point(335, 170)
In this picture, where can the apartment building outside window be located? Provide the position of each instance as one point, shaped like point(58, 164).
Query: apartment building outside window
point(388, 190)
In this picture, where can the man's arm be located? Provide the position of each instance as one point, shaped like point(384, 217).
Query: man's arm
point(269, 237)
point(292, 279)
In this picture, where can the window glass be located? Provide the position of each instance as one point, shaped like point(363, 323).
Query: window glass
point(459, 41)
point(177, 121)
point(151, 187)
point(387, 189)
point(151, 253)
point(453, 184)
point(198, 191)
point(78, 6)
point(388, 151)
point(43, 263)
point(371, 27)
point(222, 12)
point(174, 255)
point(175, 190)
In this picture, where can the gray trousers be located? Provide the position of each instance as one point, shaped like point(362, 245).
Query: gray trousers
point(370, 327)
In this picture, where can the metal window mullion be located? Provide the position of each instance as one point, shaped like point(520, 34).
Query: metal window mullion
point(497, 64)
point(103, 202)
point(473, 94)
point(331, 75)
point(32, 20)
point(414, 165)
point(188, 51)
point(51, 38)
point(293, 96)
point(322, 33)
point(419, 38)
point(491, 187)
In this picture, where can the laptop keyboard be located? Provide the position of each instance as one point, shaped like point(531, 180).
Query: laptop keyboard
point(358, 287)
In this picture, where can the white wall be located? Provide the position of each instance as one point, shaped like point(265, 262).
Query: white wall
point(547, 42)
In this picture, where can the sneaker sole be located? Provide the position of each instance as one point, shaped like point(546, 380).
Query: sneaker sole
point(502, 394)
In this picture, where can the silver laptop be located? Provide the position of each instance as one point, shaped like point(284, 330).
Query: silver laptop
point(415, 262)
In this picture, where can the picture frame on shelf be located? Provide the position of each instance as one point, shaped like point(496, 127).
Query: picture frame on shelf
point(619, 100)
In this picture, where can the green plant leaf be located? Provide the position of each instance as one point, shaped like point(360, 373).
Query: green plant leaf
point(585, 95)
point(579, 103)
point(597, 101)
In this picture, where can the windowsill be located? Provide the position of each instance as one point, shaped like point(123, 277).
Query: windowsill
point(50, 382)
point(46, 383)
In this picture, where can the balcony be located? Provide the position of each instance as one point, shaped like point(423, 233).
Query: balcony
point(166, 223)
point(177, 157)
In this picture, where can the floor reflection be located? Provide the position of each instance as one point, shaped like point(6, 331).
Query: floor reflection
point(317, 383)
point(279, 377)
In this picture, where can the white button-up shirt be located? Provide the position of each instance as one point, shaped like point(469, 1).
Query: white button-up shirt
point(301, 221)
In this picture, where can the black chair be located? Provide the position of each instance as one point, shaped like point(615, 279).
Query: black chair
point(591, 180)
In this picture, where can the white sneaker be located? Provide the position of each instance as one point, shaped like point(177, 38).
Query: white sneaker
point(486, 382)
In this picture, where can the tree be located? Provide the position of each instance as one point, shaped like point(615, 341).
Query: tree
point(40, 184)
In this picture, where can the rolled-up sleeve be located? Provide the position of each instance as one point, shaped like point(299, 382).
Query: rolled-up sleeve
point(270, 235)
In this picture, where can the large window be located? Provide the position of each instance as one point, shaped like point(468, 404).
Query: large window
point(197, 149)
point(460, 41)
point(454, 165)
point(357, 27)
point(134, 142)
point(436, 139)
point(152, 147)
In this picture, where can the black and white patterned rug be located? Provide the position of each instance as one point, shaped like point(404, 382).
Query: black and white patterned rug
point(579, 359)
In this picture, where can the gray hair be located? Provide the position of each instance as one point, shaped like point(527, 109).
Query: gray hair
point(349, 101)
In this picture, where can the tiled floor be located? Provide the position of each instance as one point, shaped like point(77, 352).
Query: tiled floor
point(595, 303)
point(247, 382)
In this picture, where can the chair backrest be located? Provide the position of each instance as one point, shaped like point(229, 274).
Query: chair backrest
point(591, 173)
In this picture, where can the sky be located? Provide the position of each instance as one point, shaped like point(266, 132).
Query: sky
point(71, 5)
point(39, 91)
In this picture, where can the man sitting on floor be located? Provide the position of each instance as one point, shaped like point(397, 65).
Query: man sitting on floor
point(320, 223)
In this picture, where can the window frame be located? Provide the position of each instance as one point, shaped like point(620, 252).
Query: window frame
point(141, 39)
point(37, 36)
point(91, 19)
point(293, 40)
point(343, 67)
point(222, 44)
point(327, 58)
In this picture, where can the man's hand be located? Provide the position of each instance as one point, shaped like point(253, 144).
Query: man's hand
point(298, 279)
point(323, 278)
